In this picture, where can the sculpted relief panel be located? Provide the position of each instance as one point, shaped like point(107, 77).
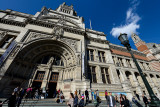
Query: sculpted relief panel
point(57, 35)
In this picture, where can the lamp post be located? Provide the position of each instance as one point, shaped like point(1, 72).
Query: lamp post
point(154, 100)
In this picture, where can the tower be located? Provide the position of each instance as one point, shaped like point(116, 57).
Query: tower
point(140, 45)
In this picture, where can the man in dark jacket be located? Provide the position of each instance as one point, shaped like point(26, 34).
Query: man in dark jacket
point(145, 100)
point(87, 96)
point(111, 102)
point(11, 100)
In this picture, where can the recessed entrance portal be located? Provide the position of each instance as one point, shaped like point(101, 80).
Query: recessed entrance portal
point(52, 84)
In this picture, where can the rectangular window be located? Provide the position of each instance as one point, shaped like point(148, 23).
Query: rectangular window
point(90, 55)
point(92, 74)
point(39, 75)
point(54, 77)
point(105, 75)
point(120, 63)
point(148, 66)
point(101, 56)
point(7, 41)
point(128, 63)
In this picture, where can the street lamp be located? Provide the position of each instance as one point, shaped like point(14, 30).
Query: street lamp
point(154, 100)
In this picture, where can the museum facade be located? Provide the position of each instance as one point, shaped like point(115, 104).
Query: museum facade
point(53, 49)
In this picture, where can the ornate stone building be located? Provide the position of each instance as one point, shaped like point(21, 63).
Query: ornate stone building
point(53, 49)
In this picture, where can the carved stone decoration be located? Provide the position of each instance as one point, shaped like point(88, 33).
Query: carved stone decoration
point(58, 31)
point(70, 42)
point(78, 59)
point(62, 20)
point(34, 35)
point(11, 17)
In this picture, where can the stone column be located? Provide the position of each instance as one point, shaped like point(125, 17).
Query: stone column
point(132, 64)
point(124, 62)
point(135, 80)
point(45, 79)
point(113, 75)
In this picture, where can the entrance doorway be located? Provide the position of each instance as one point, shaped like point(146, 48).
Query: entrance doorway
point(52, 89)
point(36, 84)
point(52, 84)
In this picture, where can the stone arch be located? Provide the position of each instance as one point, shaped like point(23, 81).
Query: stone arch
point(32, 51)
point(128, 73)
point(157, 76)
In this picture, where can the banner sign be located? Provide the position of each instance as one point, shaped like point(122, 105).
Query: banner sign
point(7, 52)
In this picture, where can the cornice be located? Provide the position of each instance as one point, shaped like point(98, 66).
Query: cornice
point(95, 32)
point(98, 40)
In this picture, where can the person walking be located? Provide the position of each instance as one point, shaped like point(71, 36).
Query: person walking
point(87, 95)
point(70, 103)
point(75, 100)
point(111, 102)
point(97, 92)
point(39, 93)
point(145, 100)
point(11, 100)
point(106, 94)
point(95, 99)
point(81, 101)
point(61, 97)
point(21, 93)
point(125, 102)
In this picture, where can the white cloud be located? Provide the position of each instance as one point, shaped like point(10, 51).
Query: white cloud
point(131, 24)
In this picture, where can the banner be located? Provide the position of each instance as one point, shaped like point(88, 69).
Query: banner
point(7, 52)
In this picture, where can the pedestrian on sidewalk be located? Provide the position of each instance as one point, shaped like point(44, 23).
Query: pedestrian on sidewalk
point(106, 94)
point(75, 100)
point(111, 102)
point(87, 95)
point(11, 100)
point(71, 100)
point(80, 101)
point(145, 100)
point(21, 93)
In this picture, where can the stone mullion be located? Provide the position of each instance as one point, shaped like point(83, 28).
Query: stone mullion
point(45, 79)
point(124, 62)
point(136, 83)
point(98, 74)
point(157, 80)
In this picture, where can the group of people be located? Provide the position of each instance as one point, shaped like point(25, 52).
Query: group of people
point(19, 93)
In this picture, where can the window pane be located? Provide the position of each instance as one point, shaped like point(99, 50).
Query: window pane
point(106, 70)
point(94, 78)
point(108, 79)
point(103, 78)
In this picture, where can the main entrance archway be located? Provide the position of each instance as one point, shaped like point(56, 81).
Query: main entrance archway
point(40, 63)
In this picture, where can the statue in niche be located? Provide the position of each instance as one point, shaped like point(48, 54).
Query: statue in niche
point(79, 59)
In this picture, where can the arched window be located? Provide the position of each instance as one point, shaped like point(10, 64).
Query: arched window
point(56, 60)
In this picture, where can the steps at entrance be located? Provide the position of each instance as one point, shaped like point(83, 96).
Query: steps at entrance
point(52, 103)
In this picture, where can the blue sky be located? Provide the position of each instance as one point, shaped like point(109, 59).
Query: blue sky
point(104, 14)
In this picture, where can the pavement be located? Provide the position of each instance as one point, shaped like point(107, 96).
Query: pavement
point(52, 103)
